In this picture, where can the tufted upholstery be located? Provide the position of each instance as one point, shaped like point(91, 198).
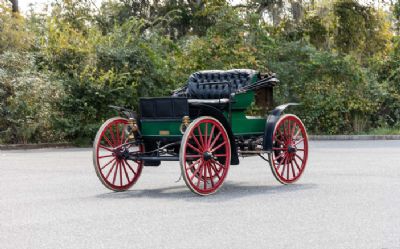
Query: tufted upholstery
point(218, 84)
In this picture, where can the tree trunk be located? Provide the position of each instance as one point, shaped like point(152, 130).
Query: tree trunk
point(297, 10)
point(14, 5)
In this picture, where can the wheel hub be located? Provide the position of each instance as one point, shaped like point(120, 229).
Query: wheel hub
point(207, 155)
point(292, 149)
point(121, 153)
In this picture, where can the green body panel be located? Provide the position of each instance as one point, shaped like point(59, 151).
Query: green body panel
point(242, 101)
point(246, 125)
point(241, 124)
point(154, 127)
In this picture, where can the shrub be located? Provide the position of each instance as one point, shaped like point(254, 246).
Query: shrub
point(28, 99)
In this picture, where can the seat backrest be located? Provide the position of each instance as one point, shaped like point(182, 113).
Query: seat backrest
point(204, 84)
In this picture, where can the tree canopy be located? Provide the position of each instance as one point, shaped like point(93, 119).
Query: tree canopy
point(59, 70)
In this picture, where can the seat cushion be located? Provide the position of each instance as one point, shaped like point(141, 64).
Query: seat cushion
point(218, 84)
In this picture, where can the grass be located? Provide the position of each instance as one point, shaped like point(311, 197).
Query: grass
point(382, 131)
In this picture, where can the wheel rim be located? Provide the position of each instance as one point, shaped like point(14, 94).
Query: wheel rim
point(290, 149)
point(206, 156)
point(112, 166)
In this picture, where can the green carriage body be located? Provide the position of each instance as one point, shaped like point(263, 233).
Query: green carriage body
point(204, 125)
point(241, 124)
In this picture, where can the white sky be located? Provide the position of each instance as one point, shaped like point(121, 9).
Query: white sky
point(39, 4)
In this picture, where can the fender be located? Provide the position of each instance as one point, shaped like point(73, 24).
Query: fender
point(273, 118)
point(207, 110)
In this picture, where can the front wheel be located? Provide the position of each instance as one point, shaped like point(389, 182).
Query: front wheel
point(290, 149)
point(205, 155)
point(110, 161)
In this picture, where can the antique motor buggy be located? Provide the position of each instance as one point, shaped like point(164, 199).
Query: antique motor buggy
point(204, 125)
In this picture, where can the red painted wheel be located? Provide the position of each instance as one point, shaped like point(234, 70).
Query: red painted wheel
point(110, 156)
point(290, 149)
point(205, 155)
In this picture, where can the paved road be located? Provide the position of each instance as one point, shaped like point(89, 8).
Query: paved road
point(349, 197)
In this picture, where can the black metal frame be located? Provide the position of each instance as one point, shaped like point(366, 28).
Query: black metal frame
point(196, 110)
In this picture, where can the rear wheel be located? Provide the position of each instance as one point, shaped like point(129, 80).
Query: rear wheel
point(205, 155)
point(290, 149)
point(110, 161)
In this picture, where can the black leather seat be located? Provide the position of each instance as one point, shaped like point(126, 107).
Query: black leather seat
point(217, 84)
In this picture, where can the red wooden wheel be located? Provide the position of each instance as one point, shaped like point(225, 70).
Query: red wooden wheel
point(205, 155)
point(109, 156)
point(290, 149)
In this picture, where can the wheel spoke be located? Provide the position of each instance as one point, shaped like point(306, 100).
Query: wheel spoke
point(280, 141)
point(199, 174)
point(196, 171)
point(196, 140)
point(123, 134)
point(280, 155)
point(117, 131)
point(109, 172)
point(299, 157)
point(115, 173)
point(201, 136)
point(106, 148)
point(211, 135)
point(281, 161)
point(215, 139)
point(205, 137)
point(126, 172)
point(287, 130)
point(220, 155)
point(193, 164)
point(100, 157)
point(130, 167)
point(284, 166)
point(120, 173)
point(287, 169)
point(211, 175)
point(282, 136)
point(295, 162)
point(294, 128)
point(297, 134)
point(218, 163)
point(188, 157)
point(108, 140)
point(112, 136)
point(291, 164)
point(205, 175)
point(219, 146)
point(284, 149)
point(301, 140)
point(194, 148)
point(108, 163)
point(214, 168)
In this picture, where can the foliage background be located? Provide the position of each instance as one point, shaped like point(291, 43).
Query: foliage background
point(60, 69)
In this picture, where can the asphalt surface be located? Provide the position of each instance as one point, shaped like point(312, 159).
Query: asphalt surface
point(348, 197)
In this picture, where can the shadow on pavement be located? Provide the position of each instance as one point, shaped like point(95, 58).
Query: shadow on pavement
point(228, 191)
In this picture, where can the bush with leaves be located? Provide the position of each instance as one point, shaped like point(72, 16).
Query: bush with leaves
point(388, 72)
point(28, 100)
point(99, 70)
point(338, 96)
